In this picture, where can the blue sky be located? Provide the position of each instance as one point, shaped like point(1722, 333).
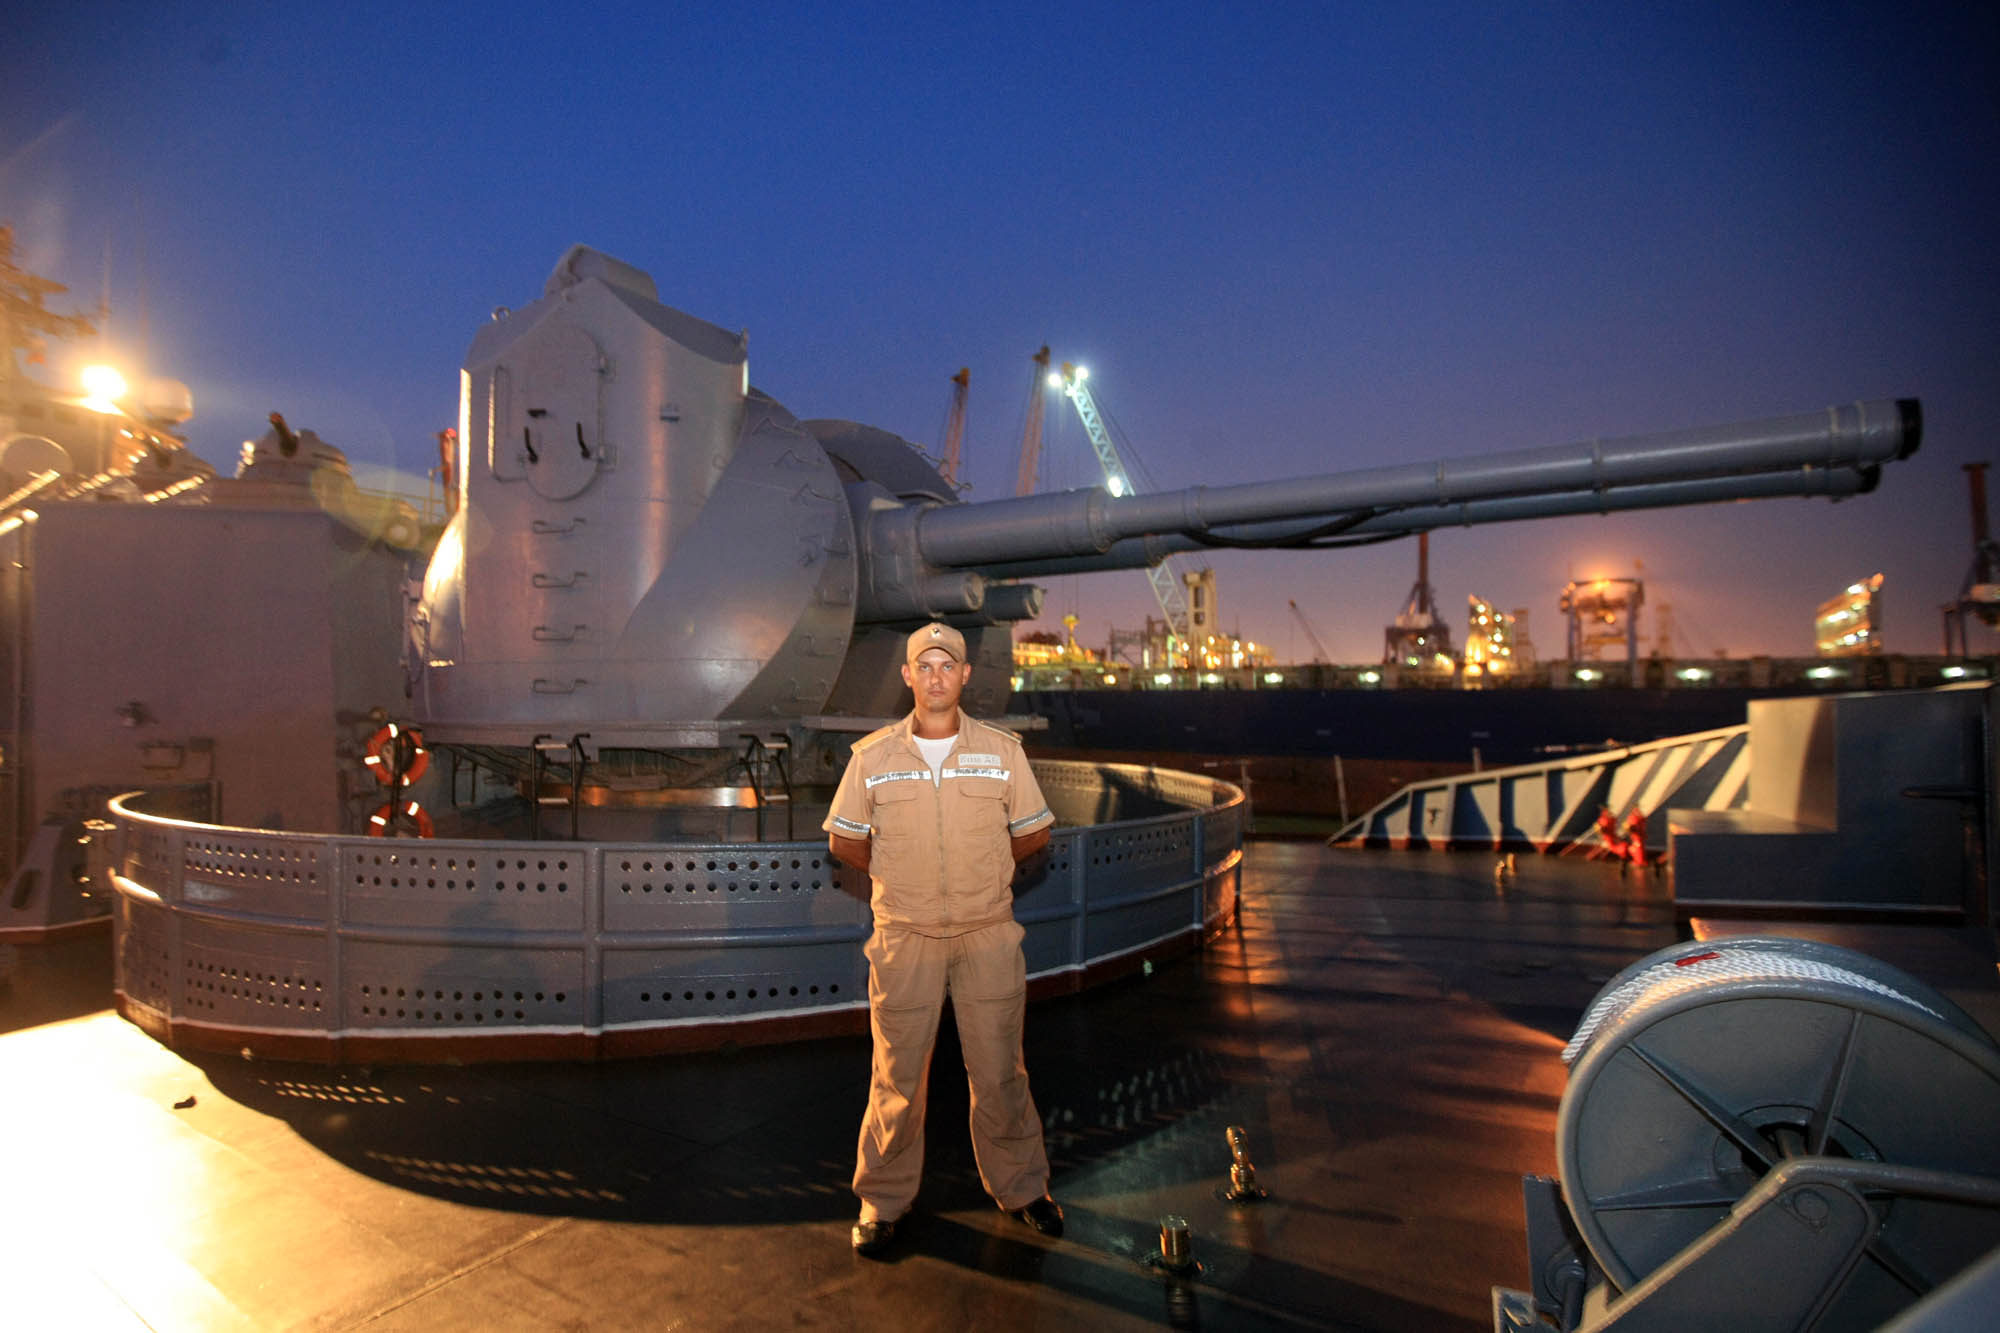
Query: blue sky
point(1288, 239)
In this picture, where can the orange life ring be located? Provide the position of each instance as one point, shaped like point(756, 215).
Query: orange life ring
point(378, 823)
point(409, 743)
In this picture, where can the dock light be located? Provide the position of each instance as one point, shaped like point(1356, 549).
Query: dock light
point(1055, 380)
point(1825, 672)
point(1274, 677)
point(1018, 682)
point(1211, 679)
point(1110, 679)
point(1116, 485)
point(1164, 678)
point(1586, 674)
point(1693, 673)
point(104, 385)
point(1083, 372)
point(1370, 677)
point(1952, 673)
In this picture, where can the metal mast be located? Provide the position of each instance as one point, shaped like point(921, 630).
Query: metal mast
point(1164, 576)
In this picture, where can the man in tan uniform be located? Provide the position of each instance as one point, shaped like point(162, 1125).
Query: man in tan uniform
point(938, 809)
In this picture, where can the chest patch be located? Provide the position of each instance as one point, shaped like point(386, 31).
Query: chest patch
point(967, 759)
point(964, 772)
point(908, 775)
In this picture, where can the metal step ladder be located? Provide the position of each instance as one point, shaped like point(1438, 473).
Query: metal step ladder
point(565, 763)
point(766, 766)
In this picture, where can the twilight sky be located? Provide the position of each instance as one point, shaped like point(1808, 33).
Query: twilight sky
point(1287, 239)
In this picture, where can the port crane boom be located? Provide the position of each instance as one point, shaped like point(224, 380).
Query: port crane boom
point(1164, 574)
point(1319, 649)
point(1031, 434)
point(954, 427)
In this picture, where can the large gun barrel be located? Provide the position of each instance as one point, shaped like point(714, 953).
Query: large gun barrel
point(1309, 534)
point(1833, 452)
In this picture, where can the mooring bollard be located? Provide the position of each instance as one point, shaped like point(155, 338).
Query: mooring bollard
point(1243, 1187)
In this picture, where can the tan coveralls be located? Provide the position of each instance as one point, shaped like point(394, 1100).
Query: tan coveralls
point(942, 869)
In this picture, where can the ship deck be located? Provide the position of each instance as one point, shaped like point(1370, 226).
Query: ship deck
point(1384, 1025)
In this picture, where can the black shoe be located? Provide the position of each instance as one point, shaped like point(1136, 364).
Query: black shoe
point(872, 1238)
point(1043, 1215)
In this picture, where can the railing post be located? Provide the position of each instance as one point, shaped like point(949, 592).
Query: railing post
point(593, 938)
point(338, 862)
point(1200, 843)
point(1079, 852)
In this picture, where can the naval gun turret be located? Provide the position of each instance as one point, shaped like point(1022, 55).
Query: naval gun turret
point(650, 551)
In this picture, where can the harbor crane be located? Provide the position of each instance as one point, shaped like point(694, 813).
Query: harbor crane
point(1031, 433)
point(1419, 637)
point(1320, 654)
point(954, 426)
point(1979, 596)
point(1164, 574)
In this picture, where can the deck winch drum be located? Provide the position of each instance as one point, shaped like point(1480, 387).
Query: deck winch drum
point(1703, 1067)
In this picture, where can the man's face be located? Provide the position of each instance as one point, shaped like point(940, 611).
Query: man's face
point(936, 680)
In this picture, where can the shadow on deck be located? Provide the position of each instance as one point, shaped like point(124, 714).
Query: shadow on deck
point(1384, 1026)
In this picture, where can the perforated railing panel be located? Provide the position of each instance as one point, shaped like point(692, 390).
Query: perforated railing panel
point(247, 976)
point(145, 959)
point(268, 874)
point(650, 887)
point(456, 987)
point(465, 885)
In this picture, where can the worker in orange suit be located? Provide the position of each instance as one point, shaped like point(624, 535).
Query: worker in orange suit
point(1634, 836)
point(938, 809)
point(1610, 843)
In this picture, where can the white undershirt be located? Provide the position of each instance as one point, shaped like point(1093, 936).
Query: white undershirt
point(934, 749)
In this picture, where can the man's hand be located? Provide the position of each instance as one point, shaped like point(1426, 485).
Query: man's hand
point(854, 851)
point(1027, 844)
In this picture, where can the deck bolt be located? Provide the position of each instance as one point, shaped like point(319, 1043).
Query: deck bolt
point(1174, 1254)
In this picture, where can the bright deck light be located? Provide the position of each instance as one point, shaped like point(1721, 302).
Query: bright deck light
point(103, 382)
point(104, 387)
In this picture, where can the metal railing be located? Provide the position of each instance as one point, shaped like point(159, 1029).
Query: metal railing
point(1550, 806)
point(330, 946)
